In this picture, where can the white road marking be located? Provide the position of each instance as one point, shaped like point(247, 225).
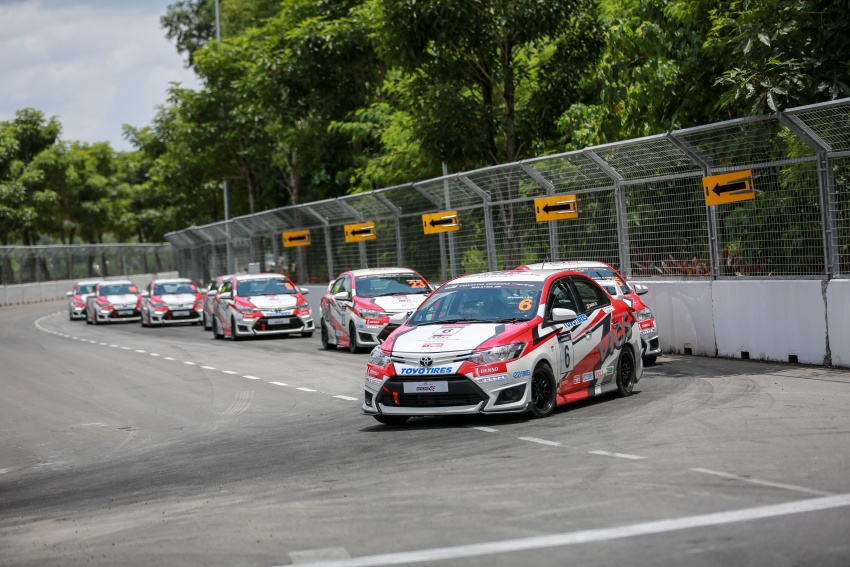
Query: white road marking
point(484, 429)
point(278, 383)
point(125, 348)
point(102, 344)
point(209, 367)
point(167, 358)
point(618, 455)
point(591, 536)
point(249, 377)
point(229, 372)
point(312, 555)
point(114, 346)
point(349, 398)
point(305, 389)
point(140, 351)
point(189, 362)
point(764, 482)
point(541, 441)
point(154, 354)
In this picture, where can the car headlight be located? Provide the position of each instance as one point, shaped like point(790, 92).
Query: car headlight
point(644, 314)
point(498, 354)
point(379, 358)
point(371, 314)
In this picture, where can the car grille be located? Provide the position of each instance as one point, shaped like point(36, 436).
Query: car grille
point(462, 392)
point(263, 325)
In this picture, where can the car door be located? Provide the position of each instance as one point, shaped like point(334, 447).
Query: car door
point(561, 295)
point(592, 332)
point(338, 307)
point(222, 308)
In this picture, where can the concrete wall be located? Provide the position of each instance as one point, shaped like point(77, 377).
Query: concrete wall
point(51, 291)
point(759, 319)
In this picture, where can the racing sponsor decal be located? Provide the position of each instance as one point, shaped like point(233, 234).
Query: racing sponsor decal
point(447, 331)
point(608, 309)
point(432, 345)
point(522, 374)
point(374, 322)
point(621, 332)
point(409, 370)
point(587, 377)
point(609, 371)
point(373, 372)
point(425, 387)
point(494, 378)
point(485, 370)
point(598, 374)
point(374, 382)
point(647, 324)
point(577, 321)
point(577, 379)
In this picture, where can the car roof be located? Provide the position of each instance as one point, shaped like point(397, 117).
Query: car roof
point(173, 280)
point(380, 271)
point(87, 282)
point(568, 265)
point(248, 277)
point(115, 282)
point(529, 275)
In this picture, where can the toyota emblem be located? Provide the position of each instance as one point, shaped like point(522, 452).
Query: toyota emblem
point(426, 362)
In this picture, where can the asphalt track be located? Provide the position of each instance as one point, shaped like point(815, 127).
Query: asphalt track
point(133, 446)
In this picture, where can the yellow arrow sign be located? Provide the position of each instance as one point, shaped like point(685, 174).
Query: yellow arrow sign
point(728, 188)
point(555, 208)
point(358, 232)
point(445, 221)
point(296, 238)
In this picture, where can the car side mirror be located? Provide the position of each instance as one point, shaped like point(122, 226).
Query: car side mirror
point(212, 292)
point(304, 290)
point(640, 289)
point(226, 295)
point(69, 293)
point(146, 293)
point(563, 315)
point(342, 296)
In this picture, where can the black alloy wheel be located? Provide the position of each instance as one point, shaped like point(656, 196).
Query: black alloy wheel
point(542, 392)
point(352, 339)
point(625, 373)
point(233, 335)
point(326, 343)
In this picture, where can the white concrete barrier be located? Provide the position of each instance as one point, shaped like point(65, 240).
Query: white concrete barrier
point(838, 321)
point(683, 314)
point(51, 291)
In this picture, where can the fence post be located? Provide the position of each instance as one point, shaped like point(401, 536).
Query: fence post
point(620, 207)
point(550, 190)
point(396, 212)
point(489, 234)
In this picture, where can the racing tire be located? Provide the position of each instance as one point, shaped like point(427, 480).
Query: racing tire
point(391, 419)
point(216, 333)
point(542, 402)
point(326, 343)
point(625, 373)
point(649, 360)
point(142, 321)
point(70, 316)
point(353, 347)
point(95, 321)
point(233, 335)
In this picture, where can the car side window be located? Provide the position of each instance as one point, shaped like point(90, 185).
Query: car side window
point(590, 294)
point(338, 285)
point(560, 295)
point(346, 284)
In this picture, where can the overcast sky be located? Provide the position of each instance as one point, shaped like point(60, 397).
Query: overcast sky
point(94, 64)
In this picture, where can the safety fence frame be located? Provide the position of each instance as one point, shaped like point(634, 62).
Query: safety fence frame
point(640, 202)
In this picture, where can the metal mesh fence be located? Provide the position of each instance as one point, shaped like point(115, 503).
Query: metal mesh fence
point(35, 264)
point(641, 206)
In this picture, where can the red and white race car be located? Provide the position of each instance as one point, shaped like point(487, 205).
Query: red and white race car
point(362, 307)
point(261, 304)
point(209, 296)
point(77, 298)
point(608, 277)
point(172, 301)
point(111, 301)
point(505, 342)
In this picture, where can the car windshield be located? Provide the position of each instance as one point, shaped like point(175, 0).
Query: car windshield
point(270, 286)
point(480, 302)
point(174, 287)
point(606, 274)
point(83, 289)
point(118, 289)
point(390, 284)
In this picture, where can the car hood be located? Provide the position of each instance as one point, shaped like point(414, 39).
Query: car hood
point(452, 338)
point(274, 301)
point(179, 298)
point(399, 303)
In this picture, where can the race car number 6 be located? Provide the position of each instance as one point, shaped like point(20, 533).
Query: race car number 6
point(525, 304)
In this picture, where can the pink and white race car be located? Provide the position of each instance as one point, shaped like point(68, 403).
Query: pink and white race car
point(362, 307)
point(111, 301)
point(505, 342)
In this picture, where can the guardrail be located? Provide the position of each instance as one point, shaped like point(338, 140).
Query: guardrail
point(653, 207)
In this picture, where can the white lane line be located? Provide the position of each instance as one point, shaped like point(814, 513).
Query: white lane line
point(154, 354)
point(591, 536)
point(229, 372)
point(793, 487)
point(541, 441)
point(349, 398)
point(125, 348)
point(140, 351)
point(618, 455)
point(249, 377)
point(484, 429)
point(102, 344)
point(167, 358)
point(305, 389)
point(278, 383)
point(114, 346)
point(189, 362)
point(209, 367)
